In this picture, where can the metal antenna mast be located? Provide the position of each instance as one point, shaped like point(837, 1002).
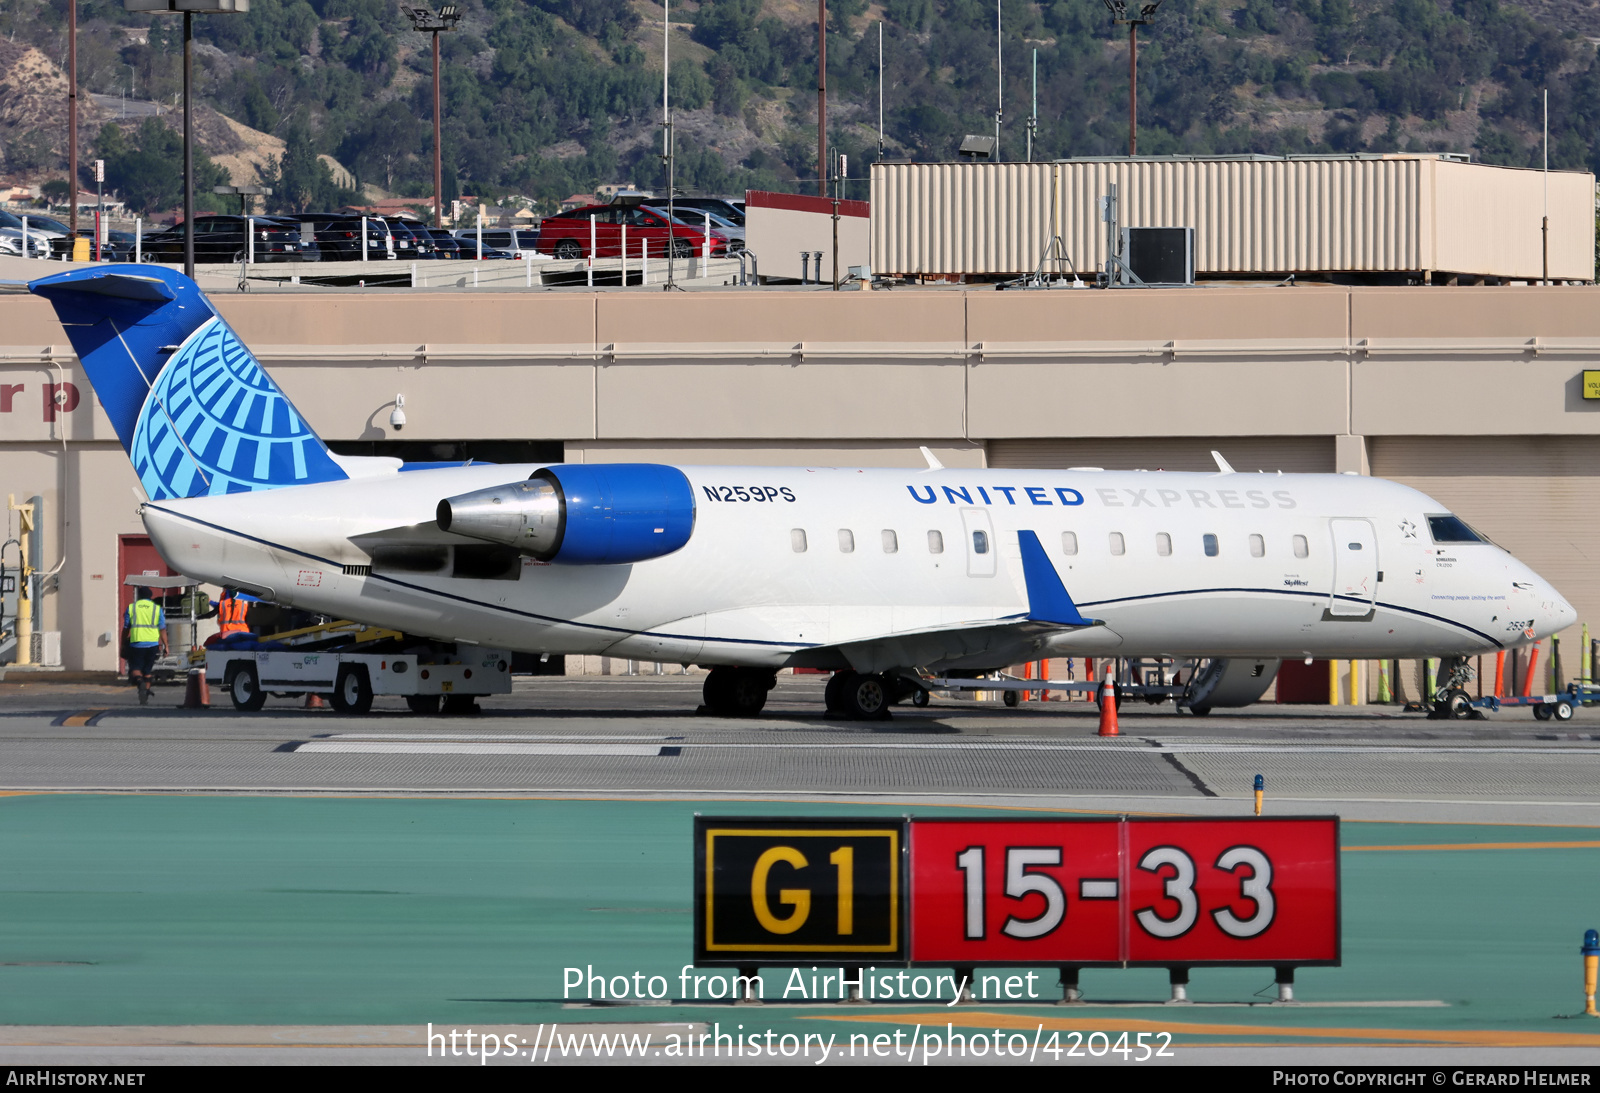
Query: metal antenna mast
point(822, 98)
point(667, 158)
point(880, 89)
point(1033, 117)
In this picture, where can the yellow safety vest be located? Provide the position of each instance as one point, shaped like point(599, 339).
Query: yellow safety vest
point(142, 629)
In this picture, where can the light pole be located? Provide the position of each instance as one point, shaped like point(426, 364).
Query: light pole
point(189, 8)
point(1119, 14)
point(425, 20)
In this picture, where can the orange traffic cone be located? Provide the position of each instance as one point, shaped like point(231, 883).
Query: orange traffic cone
point(314, 701)
point(197, 693)
point(1108, 708)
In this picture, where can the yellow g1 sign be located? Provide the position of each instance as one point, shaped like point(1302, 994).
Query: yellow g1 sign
point(1591, 383)
point(798, 890)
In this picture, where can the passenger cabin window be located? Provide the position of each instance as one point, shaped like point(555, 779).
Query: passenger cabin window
point(1452, 529)
point(980, 542)
point(847, 541)
point(935, 542)
point(1258, 547)
point(1210, 542)
point(1163, 544)
point(1301, 548)
point(1069, 542)
point(891, 541)
point(1118, 545)
point(797, 540)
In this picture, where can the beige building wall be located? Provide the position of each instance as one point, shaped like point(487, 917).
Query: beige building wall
point(1471, 394)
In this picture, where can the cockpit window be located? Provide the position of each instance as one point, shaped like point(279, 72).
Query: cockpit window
point(1452, 529)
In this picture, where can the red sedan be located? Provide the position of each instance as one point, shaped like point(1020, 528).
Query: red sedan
point(567, 234)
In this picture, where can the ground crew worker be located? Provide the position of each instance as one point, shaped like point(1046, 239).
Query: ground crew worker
point(144, 637)
point(231, 612)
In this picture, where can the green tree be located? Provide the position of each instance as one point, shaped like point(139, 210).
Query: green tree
point(146, 169)
point(300, 180)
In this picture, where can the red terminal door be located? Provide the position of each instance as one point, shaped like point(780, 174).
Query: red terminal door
point(136, 557)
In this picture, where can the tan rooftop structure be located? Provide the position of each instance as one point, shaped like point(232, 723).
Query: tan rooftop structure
point(1429, 217)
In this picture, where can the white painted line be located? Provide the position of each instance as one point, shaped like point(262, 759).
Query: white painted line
point(495, 737)
point(357, 742)
point(427, 747)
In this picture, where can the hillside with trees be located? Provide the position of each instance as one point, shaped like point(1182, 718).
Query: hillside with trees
point(546, 97)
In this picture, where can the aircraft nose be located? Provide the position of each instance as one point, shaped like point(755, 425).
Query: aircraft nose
point(1562, 614)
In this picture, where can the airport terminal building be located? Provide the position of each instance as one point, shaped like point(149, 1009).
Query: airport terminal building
point(1466, 386)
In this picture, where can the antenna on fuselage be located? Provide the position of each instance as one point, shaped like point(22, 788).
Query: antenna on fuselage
point(1222, 464)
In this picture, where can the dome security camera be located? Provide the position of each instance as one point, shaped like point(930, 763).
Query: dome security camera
point(397, 419)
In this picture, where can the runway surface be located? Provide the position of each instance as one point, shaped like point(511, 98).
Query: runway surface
point(293, 885)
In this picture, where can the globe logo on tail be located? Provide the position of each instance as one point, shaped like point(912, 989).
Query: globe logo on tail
point(215, 423)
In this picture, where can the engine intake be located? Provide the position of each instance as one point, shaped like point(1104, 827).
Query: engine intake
point(581, 514)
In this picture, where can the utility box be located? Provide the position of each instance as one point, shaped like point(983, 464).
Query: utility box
point(1159, 256)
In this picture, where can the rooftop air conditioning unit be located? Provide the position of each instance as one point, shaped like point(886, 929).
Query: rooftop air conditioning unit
point(1159, 256)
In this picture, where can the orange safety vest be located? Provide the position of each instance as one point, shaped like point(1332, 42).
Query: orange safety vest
point(231, 612)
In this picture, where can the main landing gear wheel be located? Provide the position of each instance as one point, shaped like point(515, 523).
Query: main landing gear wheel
point(833, 694)
point(245, 687)
point(865, 697)
point(1200, 711)
point(738, 692)
point(427, 705)
point(1458, 705)
point(352, 691)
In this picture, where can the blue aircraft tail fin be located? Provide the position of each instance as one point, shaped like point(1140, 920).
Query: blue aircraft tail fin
point(1048, 599)
point(193, 409)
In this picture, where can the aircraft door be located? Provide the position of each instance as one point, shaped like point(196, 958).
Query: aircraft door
point(979, 532)
point(1355, 567)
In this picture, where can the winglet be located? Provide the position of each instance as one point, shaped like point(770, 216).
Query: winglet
point(1048, 600)
point(1222, 464)
point(933, 460)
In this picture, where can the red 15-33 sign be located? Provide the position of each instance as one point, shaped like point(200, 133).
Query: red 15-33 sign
point(1130, 891)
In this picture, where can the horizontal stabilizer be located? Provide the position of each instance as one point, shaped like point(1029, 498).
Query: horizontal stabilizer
point(126, 286)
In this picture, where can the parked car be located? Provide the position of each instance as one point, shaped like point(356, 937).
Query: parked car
point(411, 238)
point(566, 235)
point(44, 225)
point(338, 236)
point(717, 206)
point(515, 242)
point(11, 244)
point(222, 239)
point(697, 217)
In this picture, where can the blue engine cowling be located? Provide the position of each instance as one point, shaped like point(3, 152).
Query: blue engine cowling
point(581, 514)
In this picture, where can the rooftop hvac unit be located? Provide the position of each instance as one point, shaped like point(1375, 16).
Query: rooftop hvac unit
point(1158, 256)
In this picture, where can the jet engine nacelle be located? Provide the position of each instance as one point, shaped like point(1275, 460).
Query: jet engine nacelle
point(581, 514)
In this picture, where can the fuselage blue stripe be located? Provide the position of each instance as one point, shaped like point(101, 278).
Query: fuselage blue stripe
point(796, 645)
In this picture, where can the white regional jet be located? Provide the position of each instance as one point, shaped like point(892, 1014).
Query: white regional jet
point(879, 575)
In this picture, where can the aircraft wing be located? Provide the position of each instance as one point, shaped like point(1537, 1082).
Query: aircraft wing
point(986, 642)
